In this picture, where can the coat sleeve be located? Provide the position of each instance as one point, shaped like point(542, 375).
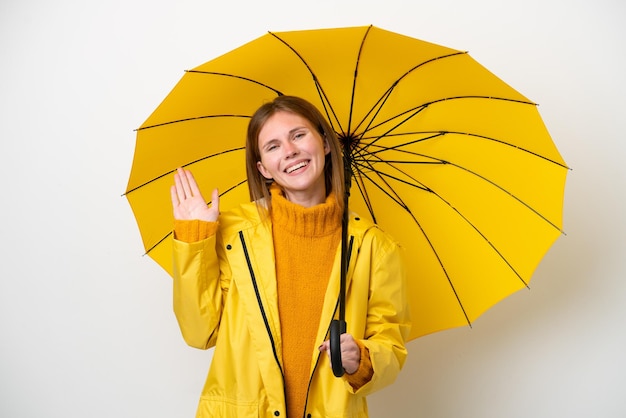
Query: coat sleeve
point(388, 321)
point(199, 291)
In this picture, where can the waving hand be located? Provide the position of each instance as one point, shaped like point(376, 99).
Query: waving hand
point(188, 202)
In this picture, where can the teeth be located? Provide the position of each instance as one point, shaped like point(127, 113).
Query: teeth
point(297, 166)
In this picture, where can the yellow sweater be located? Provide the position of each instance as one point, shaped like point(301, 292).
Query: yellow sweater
point(305, 244)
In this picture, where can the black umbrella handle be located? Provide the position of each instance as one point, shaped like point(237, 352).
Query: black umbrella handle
point(337, 327)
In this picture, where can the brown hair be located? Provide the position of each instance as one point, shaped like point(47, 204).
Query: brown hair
point(258, 185)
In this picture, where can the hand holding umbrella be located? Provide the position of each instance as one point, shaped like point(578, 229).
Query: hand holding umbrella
point(188, 202)
point(350, 353)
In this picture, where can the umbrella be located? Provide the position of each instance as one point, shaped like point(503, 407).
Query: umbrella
point(446, 157)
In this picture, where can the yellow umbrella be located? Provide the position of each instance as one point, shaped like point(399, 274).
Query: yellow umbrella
point(454, 163)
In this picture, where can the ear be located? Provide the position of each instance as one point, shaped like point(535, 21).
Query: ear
point(263, 170)
point(326, 145)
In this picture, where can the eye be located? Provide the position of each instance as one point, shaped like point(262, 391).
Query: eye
point(270, 147)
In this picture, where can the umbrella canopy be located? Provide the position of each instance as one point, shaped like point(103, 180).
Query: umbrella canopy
point(447, 158)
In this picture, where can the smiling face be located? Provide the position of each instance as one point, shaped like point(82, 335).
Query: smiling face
point(293, 154)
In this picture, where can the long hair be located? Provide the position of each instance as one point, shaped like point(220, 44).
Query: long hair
point(258, 185)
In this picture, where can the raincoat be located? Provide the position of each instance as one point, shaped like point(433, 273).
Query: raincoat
point(225, 296)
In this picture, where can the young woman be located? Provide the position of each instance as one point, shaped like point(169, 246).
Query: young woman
point(261, 282)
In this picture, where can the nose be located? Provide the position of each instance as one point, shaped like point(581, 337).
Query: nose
point(290, 149)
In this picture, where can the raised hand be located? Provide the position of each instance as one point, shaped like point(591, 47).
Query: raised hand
point(188, 202)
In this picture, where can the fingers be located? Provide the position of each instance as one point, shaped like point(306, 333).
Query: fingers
point(179, 177)
point(193, 186)
point(350, 352)
point(178, 189)
point(187, 199)
point(186, 180)
point(185, 185)
point(215, 200)
point(174, 196)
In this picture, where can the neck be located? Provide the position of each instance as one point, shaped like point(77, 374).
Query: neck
point(307, 198)
point(316, 220)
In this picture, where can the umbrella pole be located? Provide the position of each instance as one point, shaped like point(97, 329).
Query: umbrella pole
point(339, 326)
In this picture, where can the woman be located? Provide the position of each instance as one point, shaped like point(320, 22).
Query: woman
point(260, 282)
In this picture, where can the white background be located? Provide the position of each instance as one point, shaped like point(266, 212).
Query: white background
point(86, 325)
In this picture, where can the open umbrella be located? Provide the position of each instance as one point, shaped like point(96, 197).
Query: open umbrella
point(450, 160)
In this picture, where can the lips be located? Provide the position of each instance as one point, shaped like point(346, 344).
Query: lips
point(297, 166)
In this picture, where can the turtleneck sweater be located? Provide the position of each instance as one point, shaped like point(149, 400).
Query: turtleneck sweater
point(305, 245)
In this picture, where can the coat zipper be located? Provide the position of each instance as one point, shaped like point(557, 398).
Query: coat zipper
point(308, 389)
point(259, 301)
point(263, 314)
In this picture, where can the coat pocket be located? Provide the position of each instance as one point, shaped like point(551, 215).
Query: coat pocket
point(217, 406)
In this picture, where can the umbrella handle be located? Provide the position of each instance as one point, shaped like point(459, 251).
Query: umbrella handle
point(337, 327)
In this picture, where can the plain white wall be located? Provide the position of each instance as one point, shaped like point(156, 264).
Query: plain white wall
point(86, 327)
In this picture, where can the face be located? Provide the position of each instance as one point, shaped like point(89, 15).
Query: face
point(293, 155)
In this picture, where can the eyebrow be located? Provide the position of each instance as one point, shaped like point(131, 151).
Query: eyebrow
point(291, 132)
point(297, 129)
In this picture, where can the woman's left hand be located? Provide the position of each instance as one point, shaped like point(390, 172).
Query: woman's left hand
point(350, 353)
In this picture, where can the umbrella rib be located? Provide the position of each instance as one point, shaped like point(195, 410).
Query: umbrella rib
point(377, 107)
point(420, 185)
point(356, 74)
point(441, 161)
point(399, 201)
point(417, 184)
point(381, 148)
point(364, 194)
point(435, 134)
point(496, 185)
point(405, 207)
point(190, 120)
point(158, 243)
point(208, 203)
point(491, 244)
point(328, 108)
point(414, 111)
point(278, 92)
point(184, 165)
